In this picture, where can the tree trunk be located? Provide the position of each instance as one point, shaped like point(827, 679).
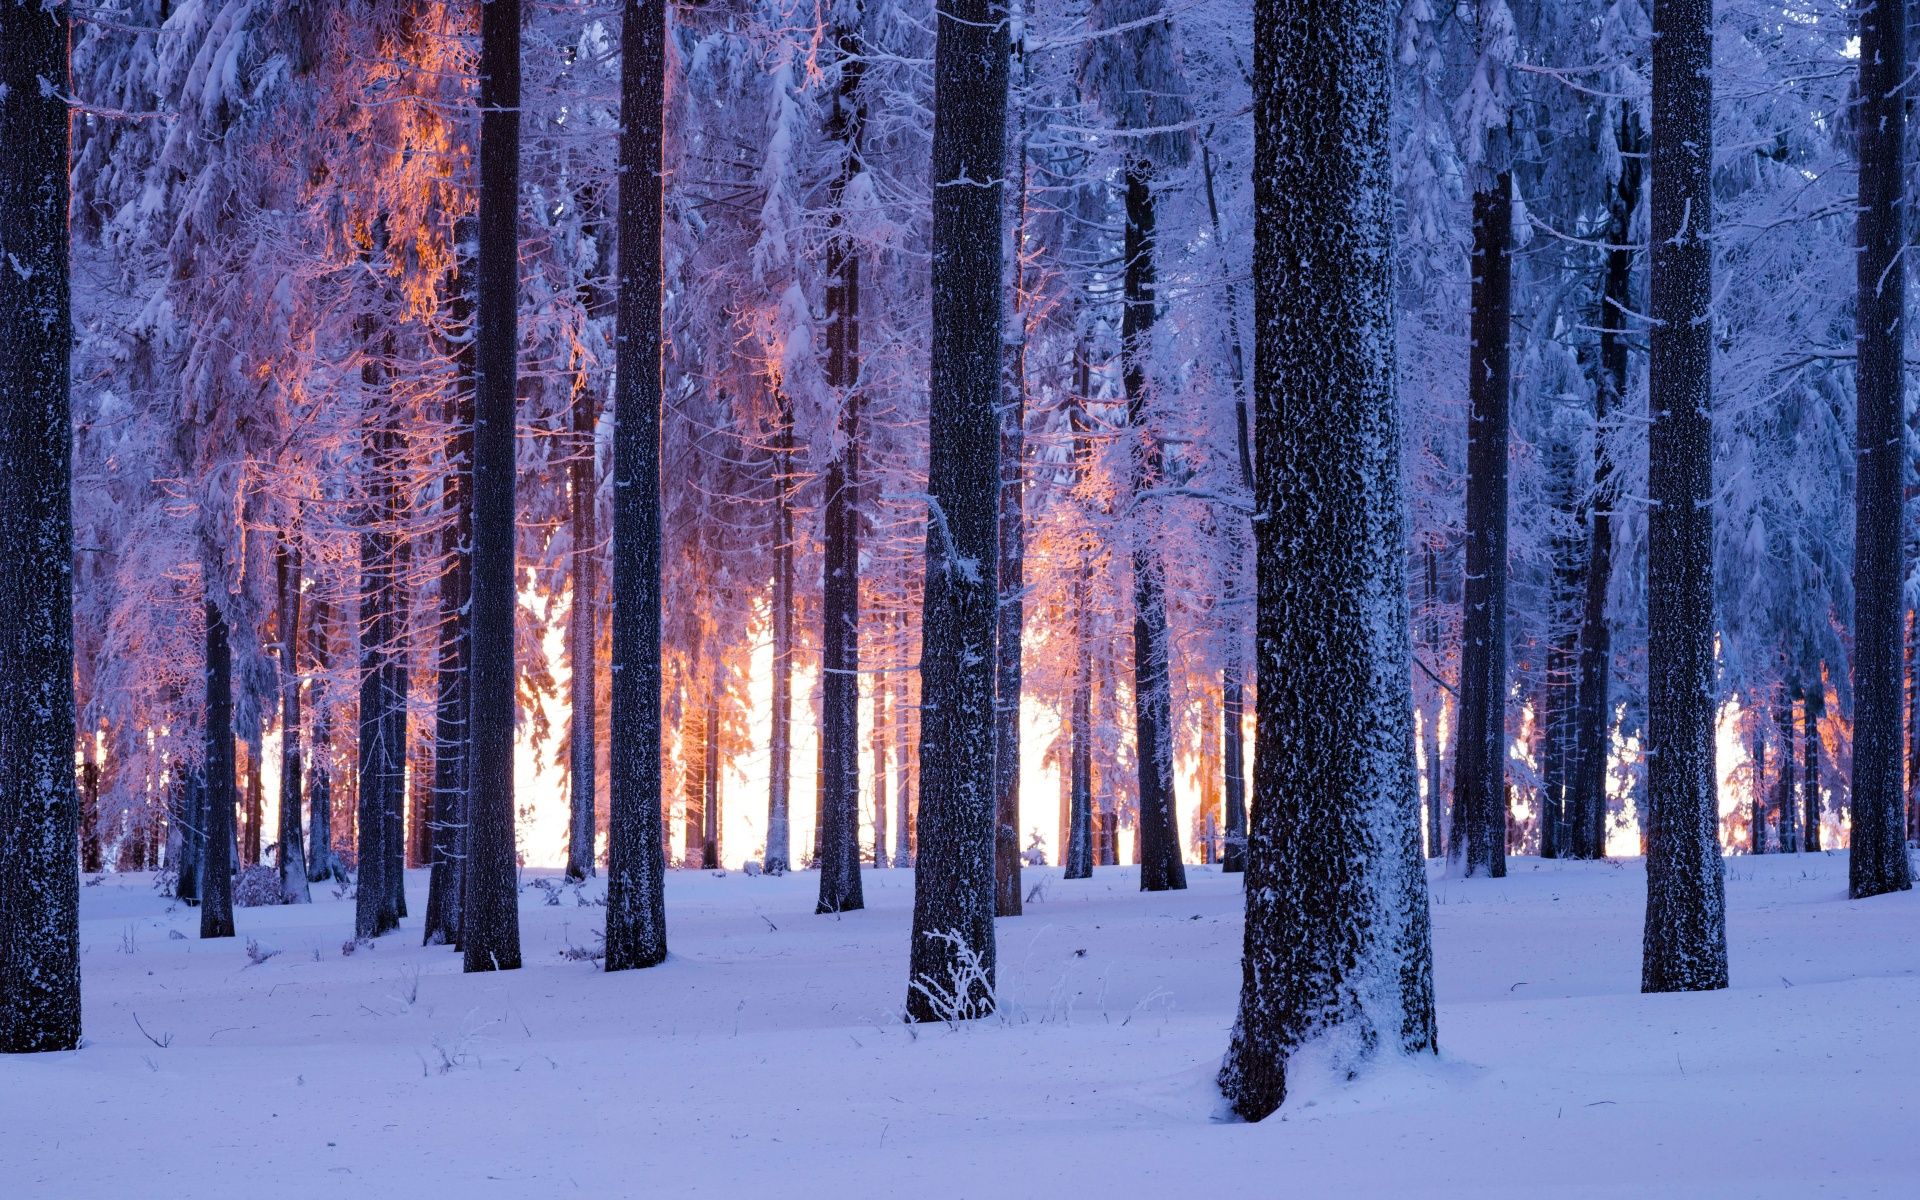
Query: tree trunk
point(1587, 803)
point(903, 832)
point(1079, 858)
point(952, 964)
point(880, 773)
point(1157, 836)
point(840, 593)
point(190, 815)
point(1686, 933)
point(1479, 841)
point(710, 810)
point(1878, 863)
point(583, 635)
point(393, 742)
point(1336, 945)
point(293, 857)
point(216, 814)
point(693, 780)
point(445, 881)
point(636, 855)
point(39, 807)
point(1239, 537)
point(321, 863)
point(1757, 766)
point(490, 924)
point(1813, 707)
point(1784, 789)
point(780, 786)
point(92, 853)
point(1430, 727)
point(374, 912)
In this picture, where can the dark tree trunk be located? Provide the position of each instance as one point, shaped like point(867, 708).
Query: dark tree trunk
point(39, 807)
point(1757, 764)
point(395, 672)
point(952, 964)
point(780, 785)
point(1479, 841)
point(1336, 946)
point(1079, 849)
point(840, 590)
point(1686, 931)
point(453, 695)
point(92, 853)
point(254, 799)
point(216, 813)
point(880, 773)
point(1587, 797)
point(1783, 787)
point(1232, 681)
point(1157, 837)
point(1813, 708)
point(710, 777)
point(1878, 863)
point(903, 833)
point(190, 816)
point(321, 863)
point(1430, 728)
point(1010, 630)
point(636, 855)
point(490, 924)
point(693, 780)
point(293, 857)
point(374, 912)
point(583, 635)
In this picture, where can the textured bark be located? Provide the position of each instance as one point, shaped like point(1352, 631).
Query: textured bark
point(452, 693)
point(1336, 946)
point(583, 636)
point(1757, 765)
point(636, 855)
point(39, 806)
point(1783, 785)
point(1587, 791)
point(1010, 630)
point(321, 863)
point(779, 854)
point(880, 773)
point(490, 924)
point(92, 853)
point(1813, 708)
point(840, 590)
point(1878, 863)
point(293, 855)
point(1479, 841)
point(189, 816)
point(253, 797)
point(1239, 540)
point(1430, 727)
point(953, 950)
point(903, 712)
point(1686, 936)
point(374, 912)
point(1157, 837)
point(710, 784)
point(216, 811)
point(1079, 857)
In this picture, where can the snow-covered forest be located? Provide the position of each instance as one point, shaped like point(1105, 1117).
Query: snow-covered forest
point(652, 580)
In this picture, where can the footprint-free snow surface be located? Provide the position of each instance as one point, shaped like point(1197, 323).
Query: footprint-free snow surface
point(766, 1056)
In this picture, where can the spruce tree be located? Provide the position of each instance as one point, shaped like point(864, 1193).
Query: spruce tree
point(1336, 946)
point(39, 809)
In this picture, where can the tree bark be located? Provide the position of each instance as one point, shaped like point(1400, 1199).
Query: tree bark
point(490, 926)
point(1783, 787)
point(1813, 707)
point(840, 590)
point(1079, 849)
point(1157, 837)
point(952, 965)
point(1587, 800)
point(321, 863)
point(636, 856)
point(780, 776)
point(453, 698)
point(293, 857)
point(1878, 863)
point(583, 636)
point(216, 850)
point(39, 806)
point(1336, 946)
point(374, 911)
point(1479, 841)
point(1686, 935)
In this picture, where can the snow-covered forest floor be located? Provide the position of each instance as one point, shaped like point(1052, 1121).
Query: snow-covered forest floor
point(767, 1051)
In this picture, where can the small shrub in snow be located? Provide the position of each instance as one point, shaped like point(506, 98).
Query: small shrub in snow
point(257, 954)
point(256, 886)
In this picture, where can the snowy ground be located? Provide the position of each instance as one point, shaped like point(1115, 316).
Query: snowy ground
point(765, 1054)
